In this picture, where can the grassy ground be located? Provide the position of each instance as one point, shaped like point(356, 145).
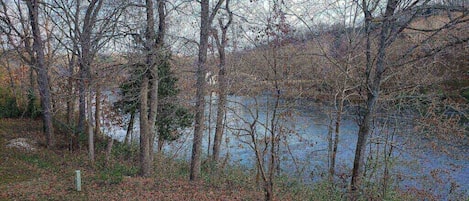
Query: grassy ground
point(49, 174)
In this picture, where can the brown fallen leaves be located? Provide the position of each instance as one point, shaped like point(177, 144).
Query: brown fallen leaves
point(49, 175)
point(164, 189)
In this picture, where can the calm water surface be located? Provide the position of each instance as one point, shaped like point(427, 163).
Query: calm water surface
point(304, 151)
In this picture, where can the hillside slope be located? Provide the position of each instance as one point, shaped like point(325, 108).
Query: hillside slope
point(49, 175)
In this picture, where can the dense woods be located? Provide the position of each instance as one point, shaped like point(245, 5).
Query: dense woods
point(386, 78)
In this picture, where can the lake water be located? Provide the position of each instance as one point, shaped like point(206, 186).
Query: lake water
point(304, 153)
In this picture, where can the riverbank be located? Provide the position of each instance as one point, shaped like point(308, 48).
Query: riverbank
point(43, 174)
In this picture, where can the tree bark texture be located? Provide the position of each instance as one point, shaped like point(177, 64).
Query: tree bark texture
point(154, 46)
point(145, 163)
point(200, 93)
point(130, 128)
point(220, 113)
point(97, 112)
point(90, 128)
point(335, 140)
point(205, 20)
point(86, 55)
point(373, 82)
point(41, 69)
point(221, 84)
point(70, 88)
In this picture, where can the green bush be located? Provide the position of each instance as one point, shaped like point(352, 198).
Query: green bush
point(33, 109)
point(115, 174)
point(123, 150)
point(8, 105)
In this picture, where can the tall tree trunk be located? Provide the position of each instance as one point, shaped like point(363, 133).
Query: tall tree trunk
point(220, 114)
point(373, 82)
point(43, 78)
point(200, 93)
point(154, 47)
point(32, 110)
point(145, 163)
point(86, 56)
point(160, 53)
point(209, 123)
point(273, 158)
point(130, 128)
point(363, 132)
point(70, 88)
point(221, 84)
point(81, 101)
point(110, 143)
point(153, 110)
point(85, 105)
point(160, 144)
point(86, 59)
point(205, 20)
point(335, 142)
point(97, 112)
point(90, 128)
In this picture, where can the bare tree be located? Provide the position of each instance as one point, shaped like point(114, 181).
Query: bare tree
point(221, 44)
point(41, 69)
point(265, 134)
point(383, 40)
point(88, 28)
point(20, 35)
point(155, 54)
point(206, 18)
point(397, 17)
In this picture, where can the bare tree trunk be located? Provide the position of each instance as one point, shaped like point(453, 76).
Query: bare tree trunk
point(330, 145)
point(209, 137)
point(159, 51)
point(145, 163)
point(110, 143)
point(268, 189)
point(388, 145)
point(43, 78)
point(221, 84)
point(335, 142)
point(86, 56)
point(97, 112)
point(363, 132)
point(273, 140)
point(85, 108)
point(90, 128)
point(32, 93)
point(153, 111)
point(71, 99)
point(373, 81)
point(160, 144)
point(130, 128)
point(81, 101)
point(205, 20)
point(154, 47)
point(220, 114)
point(201, 71)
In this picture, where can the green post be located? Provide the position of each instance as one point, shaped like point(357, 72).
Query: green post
point(78, 180)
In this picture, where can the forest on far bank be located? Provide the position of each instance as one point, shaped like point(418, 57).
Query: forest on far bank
point(395, 73)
